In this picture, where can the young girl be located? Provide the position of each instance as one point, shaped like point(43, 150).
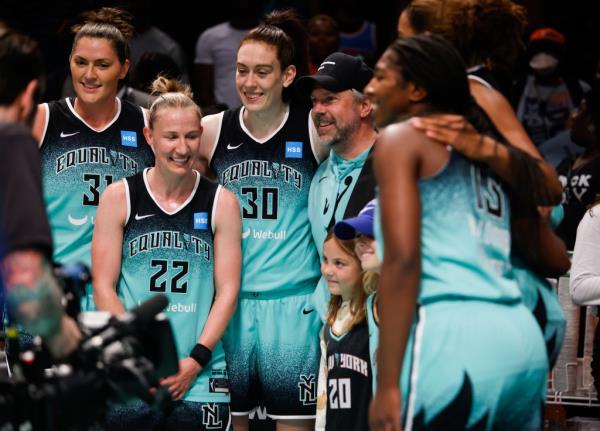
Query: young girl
point(345, 376)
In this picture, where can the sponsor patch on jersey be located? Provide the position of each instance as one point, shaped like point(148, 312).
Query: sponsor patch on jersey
point(293, 150)
point(201, 221)
point(128, 138)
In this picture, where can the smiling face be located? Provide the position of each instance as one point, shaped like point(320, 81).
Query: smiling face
point(365, 250)
point(175, 139)
point(336, 116)
point(259, 78)
point(96, 70)
point(390, 94)
point(341, 270)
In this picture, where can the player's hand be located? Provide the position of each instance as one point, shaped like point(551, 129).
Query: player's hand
point(179, 383)
point(451, 130)
point(384, 410)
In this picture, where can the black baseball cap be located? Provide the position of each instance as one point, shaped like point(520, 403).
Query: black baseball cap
point(338, 72)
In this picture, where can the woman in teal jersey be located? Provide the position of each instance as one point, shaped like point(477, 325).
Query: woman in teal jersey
point(267, 152)
point(446, 283)
point(487, 33)
point(170, 230)
point(91, 140)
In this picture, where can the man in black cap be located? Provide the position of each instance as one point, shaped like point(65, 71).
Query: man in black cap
point(342, 114)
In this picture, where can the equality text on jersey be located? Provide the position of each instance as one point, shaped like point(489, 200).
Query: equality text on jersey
point(95, 156)
point(262, 169)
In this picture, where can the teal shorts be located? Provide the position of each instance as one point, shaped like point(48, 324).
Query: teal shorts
point(272, 351)
point(474, 365)
point(540, 297)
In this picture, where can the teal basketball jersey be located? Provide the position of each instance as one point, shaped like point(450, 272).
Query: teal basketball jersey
point(78, 163)
point(271, 179)
point(173, 254)
point(465, 235)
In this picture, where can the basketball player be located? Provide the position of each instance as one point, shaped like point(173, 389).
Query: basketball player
point(167, 229)
point(266, 153)
point(445, 281)
point(89, 141)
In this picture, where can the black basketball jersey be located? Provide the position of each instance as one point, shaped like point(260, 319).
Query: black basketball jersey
point(173, 254)
point(271, 180)
point(78, 163)
point(349, 378)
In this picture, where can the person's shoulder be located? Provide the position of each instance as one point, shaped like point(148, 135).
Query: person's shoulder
point(16, 136)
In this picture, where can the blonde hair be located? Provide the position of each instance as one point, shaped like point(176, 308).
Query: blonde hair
point(170, 93)
point(358, 303)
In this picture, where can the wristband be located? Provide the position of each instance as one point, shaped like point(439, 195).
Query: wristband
point(201, 354)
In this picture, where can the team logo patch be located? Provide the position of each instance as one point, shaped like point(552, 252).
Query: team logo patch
point(293, 150)
point(128, 138)
point(201, 221)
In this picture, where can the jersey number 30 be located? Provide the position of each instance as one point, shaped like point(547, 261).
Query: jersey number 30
point(261, 202)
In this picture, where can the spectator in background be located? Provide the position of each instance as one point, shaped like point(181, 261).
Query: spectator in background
point(581, 177)
point(216, 56)
point(323, 39)
point(549, 94)
point(150, 66)
point(149, 38)
point(358, 36)
point(585, 275)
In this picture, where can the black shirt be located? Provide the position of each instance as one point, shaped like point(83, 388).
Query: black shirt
point(23, 219)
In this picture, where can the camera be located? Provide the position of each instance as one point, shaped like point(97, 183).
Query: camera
point(119, 358)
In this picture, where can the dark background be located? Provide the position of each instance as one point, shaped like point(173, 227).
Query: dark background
point(48, 21)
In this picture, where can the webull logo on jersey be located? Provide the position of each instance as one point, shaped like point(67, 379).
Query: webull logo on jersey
point(264, 234)
point(262, 169)
point(95, 156)
point(169, 240)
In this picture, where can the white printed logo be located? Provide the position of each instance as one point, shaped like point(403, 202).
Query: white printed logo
point(139, 217)
point(77, 221)
point(246, 233)
point(233, 147)
point(66, 135)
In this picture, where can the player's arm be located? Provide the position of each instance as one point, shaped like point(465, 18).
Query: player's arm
point(208, 142)
point(228, 267)
point(504, 118)
point(397, 170)
point(107, 245)
point(227, 264)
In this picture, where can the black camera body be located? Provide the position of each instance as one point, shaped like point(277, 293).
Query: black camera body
point(119, 360)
